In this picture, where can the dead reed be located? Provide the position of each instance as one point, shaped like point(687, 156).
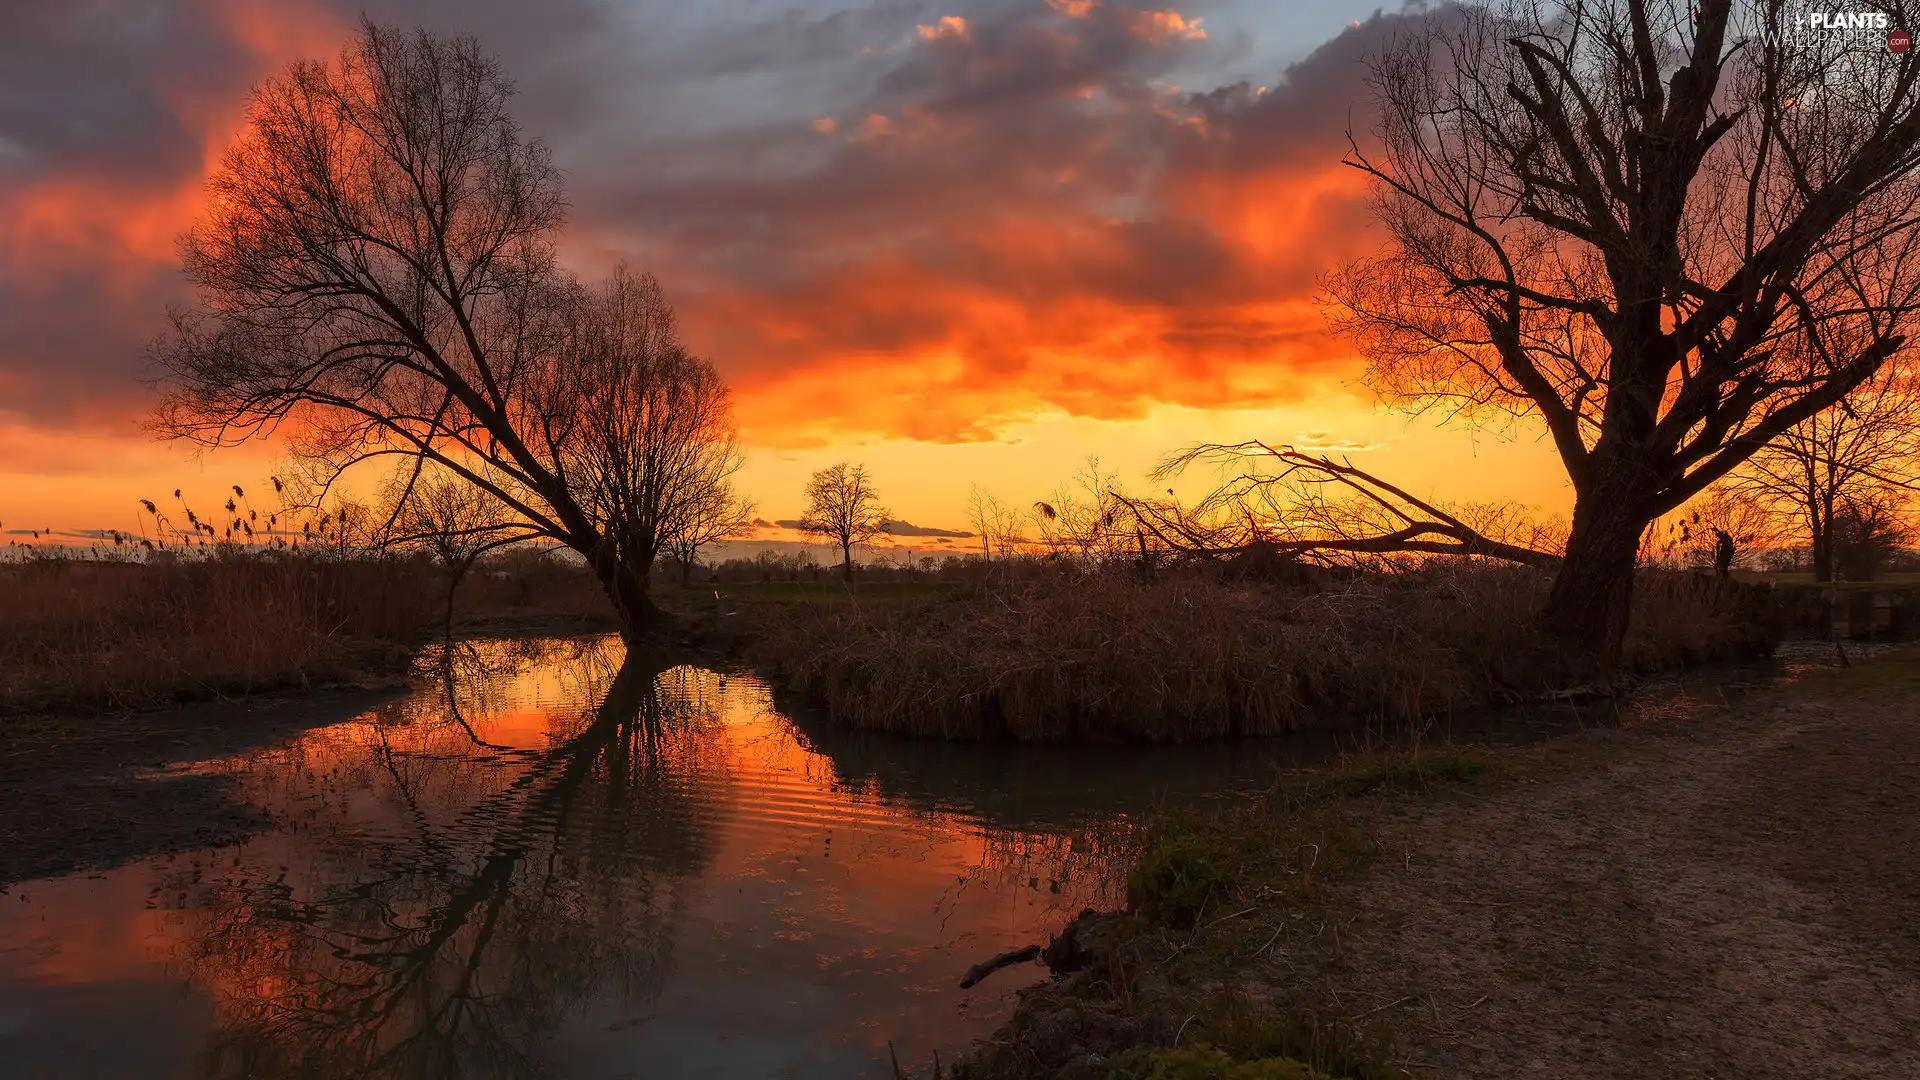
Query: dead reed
point(79, 632)
point(1075, 655)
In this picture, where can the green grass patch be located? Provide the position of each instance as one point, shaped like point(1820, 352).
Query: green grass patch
point(1213, 897)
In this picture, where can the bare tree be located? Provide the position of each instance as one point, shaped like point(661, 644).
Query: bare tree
point(843, 507)
point(1864, 450)
point(997, 523)
point(1670, 231)
point(722, 514)
point(1866, 536)
point(1087, 516)
point(646, 443)
point(377, 278)
point(983, 512)
point(452, 519)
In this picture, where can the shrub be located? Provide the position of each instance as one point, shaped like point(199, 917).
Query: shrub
point(1177, 877)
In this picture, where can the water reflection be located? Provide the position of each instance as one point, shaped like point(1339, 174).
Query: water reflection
point(467, 937)
point(550, 862)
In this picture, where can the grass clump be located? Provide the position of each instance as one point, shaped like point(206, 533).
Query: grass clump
point(1220, 965)
point(1177, 877)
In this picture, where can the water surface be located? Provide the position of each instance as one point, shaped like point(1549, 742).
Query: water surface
point(546, 862)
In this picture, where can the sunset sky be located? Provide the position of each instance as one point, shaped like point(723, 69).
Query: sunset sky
point(961, 241)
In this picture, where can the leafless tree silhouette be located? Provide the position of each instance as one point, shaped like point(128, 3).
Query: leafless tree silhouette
point(1671, 231)
point(377, 278)
point(843, 507)
point(719, 515)
point(452, 519)
point(1863, 452)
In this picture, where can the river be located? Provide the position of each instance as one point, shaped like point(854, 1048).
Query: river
point(548, 862)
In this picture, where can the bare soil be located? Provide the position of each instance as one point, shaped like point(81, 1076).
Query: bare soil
point(1736, 896)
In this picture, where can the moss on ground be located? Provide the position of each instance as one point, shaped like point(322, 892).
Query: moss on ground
point(1214, 897)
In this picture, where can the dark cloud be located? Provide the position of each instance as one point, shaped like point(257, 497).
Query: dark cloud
point(1010, 208)
point(903, 528)
point(892, 528)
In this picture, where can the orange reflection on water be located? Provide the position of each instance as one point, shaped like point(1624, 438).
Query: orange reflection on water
point(545, 861)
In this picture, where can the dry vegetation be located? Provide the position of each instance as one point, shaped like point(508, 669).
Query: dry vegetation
point(80, 632)
point(1063, 654)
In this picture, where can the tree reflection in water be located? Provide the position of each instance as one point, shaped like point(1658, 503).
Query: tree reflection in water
point(516, 886)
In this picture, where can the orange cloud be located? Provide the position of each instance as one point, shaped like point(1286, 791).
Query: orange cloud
point(87, 246)
point(1159, 26)
point(1015, 216)
point(949, 26)
point(1031, 225)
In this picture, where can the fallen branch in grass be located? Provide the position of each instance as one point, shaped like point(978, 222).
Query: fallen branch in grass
point(1278, 501)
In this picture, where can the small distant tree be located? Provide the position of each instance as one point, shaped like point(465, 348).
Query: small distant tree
point(1864, 451)
point(1087, 516)
point(718, 515)
point(1866, 537)
point(454, 521)
point(997, 523)
point(843, 507)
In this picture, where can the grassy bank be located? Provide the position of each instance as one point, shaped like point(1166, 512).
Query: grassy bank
point(1164, 989)
point(78, 633)
point(1675, 898)
point(1064, 655)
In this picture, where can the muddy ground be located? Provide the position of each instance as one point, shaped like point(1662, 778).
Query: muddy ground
point(83, 791)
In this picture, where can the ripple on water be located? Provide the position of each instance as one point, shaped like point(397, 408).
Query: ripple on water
point(543, 863)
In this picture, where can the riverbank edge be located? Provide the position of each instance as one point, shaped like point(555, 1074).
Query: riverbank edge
point(1183, 978)
point(84, 787)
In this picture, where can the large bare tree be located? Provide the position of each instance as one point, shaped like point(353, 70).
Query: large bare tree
point(377, 277)
point(843, 506)
point(1671, 231)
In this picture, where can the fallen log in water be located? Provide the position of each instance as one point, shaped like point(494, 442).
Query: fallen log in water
point(1006, 959)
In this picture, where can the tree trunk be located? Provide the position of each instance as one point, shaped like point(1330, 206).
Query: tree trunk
point(632, 599)
point(1592, 595)
point(453, 586)
point(1822, 552)
point(846, 561)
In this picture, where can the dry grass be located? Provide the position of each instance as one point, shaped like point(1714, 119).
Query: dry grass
point(88, 633)
point(81, 632)
point(1190, 656)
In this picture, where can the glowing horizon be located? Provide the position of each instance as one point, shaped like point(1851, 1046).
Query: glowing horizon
point(971, 247)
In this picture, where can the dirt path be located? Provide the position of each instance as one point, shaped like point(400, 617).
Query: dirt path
point(1734, 898)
